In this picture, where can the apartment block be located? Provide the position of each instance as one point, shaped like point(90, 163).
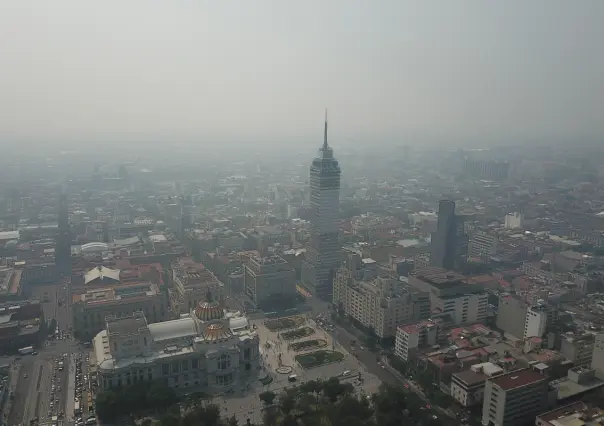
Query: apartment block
point(411, 337)
point(482, 245)
point(377, 302)
point(540, 319)
point(467, 387)
point(511, 316)
point(450, 293)
point(514, 398)
point(578, 348)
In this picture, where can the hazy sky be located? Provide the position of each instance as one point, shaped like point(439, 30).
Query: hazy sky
point(254, 70)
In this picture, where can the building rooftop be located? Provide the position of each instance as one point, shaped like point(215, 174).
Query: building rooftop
point(440, 278)
point(101, 273)
point(575, 414)
point(124, 293)
point(516, 379)
point(470, 377)
point(269, 260)
point(417, 327)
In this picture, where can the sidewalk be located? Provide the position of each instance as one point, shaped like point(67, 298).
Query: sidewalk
point(13, 378)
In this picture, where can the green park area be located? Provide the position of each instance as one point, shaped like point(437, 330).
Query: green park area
point(297, 333)
point(307, 345)
point(277, 324)
point(319, 358)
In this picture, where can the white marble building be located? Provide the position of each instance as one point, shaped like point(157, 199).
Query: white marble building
point(208, 349)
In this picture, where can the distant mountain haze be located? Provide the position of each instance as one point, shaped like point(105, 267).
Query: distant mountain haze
point(214, 74)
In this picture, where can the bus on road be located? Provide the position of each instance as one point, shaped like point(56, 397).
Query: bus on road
point(26, 350)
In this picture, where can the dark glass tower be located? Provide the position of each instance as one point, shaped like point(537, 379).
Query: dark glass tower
point(323, 254)
point(449, 245)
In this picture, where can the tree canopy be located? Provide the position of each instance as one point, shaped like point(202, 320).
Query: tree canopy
point(316, 402)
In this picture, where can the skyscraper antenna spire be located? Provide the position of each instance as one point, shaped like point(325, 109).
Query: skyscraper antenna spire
point(325, 133)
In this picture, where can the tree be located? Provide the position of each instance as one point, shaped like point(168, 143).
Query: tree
point(161, 396)
point(371, 342)
point(232, 421)
point(268, 397)
point(107, 406)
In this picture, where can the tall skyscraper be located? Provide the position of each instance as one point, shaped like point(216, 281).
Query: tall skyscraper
point(323, 254)
point(449, 245)
point(63, 241)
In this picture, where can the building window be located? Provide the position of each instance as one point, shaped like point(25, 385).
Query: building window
point(175, 367)
point(224, 380)
point(185, 365)
point(194, 364)
point(165, 369)
point(224, 362)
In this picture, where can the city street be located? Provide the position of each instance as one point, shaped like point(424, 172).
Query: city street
point(368, 358)
point(42, 390)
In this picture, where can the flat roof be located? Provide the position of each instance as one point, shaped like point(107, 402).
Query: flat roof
point(470, 377)
point(518, 378)
point(568, 388)
point(440, 278)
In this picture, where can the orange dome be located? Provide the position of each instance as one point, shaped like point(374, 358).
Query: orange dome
point(216, 331)
point(208, 311)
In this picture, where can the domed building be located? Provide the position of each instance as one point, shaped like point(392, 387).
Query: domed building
point(209, 349)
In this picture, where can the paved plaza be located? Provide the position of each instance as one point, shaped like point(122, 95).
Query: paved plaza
point(245, 402)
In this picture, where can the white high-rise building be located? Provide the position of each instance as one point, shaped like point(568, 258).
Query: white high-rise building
point(323, 254)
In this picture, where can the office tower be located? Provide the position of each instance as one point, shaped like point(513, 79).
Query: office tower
point(63, 241)
point(452, 295)
point(323, 254)
point(514, 398)
point(449, 245)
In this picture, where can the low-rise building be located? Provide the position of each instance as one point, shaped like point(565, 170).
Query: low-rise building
point(208, 349)
point(467, 387)
point(21, 324)
point(411, 337)
point(575, 414)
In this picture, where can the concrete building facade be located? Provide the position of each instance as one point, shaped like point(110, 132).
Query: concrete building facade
point(511, 316)
point(578, 348)
point(411, 337)
point(514, 398)
point(269, 279)
point(91, 307)
point(451, 294)
point(192, 282)
point(208, 349)
point(377, 302)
